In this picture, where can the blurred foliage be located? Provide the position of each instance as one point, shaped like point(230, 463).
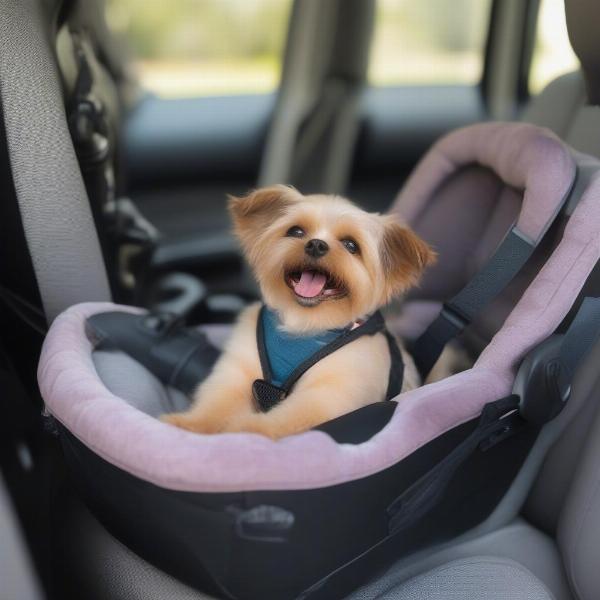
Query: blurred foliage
point(198, 47)
point(201, 29)
point(429, 41)
point(448, 25)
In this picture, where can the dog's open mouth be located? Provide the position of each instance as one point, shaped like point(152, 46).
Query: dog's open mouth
point(313, 286)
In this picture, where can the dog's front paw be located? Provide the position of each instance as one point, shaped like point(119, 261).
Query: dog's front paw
point(190, 422)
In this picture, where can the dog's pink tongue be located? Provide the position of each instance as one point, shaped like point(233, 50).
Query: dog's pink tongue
point(311, 284)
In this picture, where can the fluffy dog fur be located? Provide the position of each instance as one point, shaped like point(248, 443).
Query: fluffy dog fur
point(371, 259)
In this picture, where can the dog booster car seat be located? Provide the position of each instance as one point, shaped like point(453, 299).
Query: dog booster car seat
point(515, 217)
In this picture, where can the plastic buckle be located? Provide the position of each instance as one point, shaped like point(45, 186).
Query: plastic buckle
point(453, 316)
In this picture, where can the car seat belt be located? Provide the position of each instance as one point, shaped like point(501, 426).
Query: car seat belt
point(56, 215)
point(312, 136)
point(510, 257)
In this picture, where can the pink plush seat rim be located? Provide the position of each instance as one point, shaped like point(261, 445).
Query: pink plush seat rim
point(516, 152)
point(181, 460)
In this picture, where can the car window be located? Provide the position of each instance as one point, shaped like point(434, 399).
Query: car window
point(184, 48)
point(552, 53)
point(429, 42)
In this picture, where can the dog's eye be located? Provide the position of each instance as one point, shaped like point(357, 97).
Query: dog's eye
point(351, 246)
point(295, 231)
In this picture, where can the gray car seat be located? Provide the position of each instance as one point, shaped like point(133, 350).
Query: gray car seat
point(568, 104)
point(16, 570)
point(547, 552)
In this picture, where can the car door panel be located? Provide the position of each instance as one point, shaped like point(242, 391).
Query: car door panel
point(197, 140)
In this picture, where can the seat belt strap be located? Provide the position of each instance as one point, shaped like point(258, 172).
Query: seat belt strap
point(498, 420)
point(510, 257)
point(55, 212)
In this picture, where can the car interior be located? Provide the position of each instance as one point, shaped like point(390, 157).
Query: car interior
point(112, 192)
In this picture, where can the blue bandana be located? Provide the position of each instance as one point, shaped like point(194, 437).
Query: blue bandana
point(286, 351)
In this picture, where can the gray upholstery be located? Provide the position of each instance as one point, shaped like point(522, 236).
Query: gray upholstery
point(568, 105)
point(105, 569)
point(478, 577)
point(558, 103)
point(129, 380)
point(582, 23)
point(17, 578)
point(56, 215)
point(563, 108)
point(579, 525)
point(518, 542)
point(554, 479)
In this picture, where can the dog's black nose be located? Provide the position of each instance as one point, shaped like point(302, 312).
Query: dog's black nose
point(316, 248)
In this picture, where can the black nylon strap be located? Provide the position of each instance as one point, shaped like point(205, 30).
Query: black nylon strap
point(396, 367)
point(509, 258)
point(496, 422)
point(267, 395)
point(428, 347)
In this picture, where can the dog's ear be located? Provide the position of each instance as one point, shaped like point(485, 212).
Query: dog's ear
point(262, 204)
point(404, 257)
point(254, 212)
point(259, 207)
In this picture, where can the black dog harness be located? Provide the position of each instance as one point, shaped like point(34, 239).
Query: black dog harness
point(268, 392)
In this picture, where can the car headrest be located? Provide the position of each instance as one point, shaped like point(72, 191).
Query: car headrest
point(582, 23)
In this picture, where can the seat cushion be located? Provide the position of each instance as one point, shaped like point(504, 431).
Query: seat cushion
point(579, 523)
point(94, 565)
point(517, 543)
point(465, 579)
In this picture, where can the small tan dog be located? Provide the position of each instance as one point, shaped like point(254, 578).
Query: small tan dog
point(321, 263)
